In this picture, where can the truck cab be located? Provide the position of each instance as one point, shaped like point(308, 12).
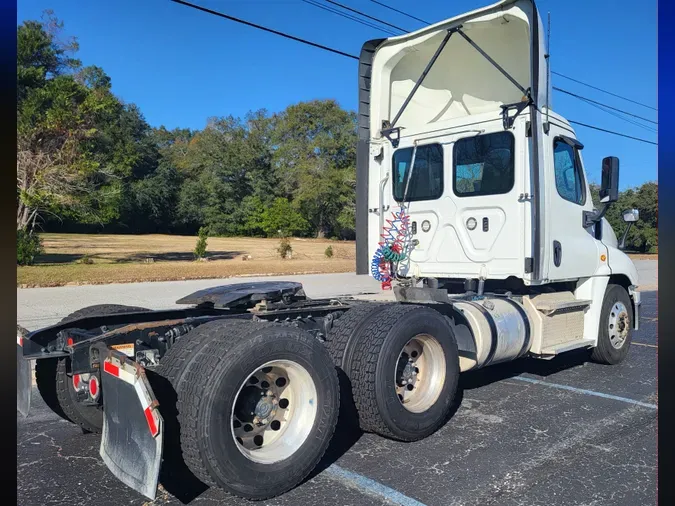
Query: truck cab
point(469, 176)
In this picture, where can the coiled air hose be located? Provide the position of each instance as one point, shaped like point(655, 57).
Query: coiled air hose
point(394, 238)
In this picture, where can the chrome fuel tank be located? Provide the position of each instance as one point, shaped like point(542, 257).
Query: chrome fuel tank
point(500, 329)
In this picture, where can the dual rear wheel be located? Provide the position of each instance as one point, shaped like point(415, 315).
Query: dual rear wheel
point(254, 406)
point(401, 367)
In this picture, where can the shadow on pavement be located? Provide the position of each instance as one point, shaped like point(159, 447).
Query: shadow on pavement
point(499, 372)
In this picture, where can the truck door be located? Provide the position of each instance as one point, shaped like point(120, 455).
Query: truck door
point(574, 250)
point(464, 203)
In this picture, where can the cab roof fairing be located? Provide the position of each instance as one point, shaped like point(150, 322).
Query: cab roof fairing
point(462, 82)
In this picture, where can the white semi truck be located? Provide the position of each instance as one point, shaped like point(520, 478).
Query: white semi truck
point(473, 205)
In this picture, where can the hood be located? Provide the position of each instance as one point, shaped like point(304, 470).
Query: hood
point(462, 82)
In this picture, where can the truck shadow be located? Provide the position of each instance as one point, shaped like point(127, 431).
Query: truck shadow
point(499, 372)
point(175, 476)
point(348, 433)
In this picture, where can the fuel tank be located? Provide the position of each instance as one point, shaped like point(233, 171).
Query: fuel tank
point(500, 329)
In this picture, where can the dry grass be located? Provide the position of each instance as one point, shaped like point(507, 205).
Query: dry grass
point(98, 259)
point(132, 258)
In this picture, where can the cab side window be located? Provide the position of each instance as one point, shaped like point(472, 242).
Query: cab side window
point(569, 180)
point(426, 178)
point(484, 164)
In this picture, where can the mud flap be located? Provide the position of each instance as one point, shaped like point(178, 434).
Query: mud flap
point(24, 375)
point(133, 432)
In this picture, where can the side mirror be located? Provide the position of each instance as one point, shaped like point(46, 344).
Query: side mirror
point(609, 187)
point(631, 215)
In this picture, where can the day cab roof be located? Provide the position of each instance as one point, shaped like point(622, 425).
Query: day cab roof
point(461, 83)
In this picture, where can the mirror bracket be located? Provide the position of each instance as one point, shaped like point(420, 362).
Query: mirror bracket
point(591, 217)
point(622, 242)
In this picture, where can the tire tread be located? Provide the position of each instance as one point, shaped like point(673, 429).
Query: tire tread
point(363, 369)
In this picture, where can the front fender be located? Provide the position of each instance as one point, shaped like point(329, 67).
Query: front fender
point(620, 263)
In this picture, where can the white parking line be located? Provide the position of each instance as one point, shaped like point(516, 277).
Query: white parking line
point(586, 392)
point(644, 344)
point(371, 487)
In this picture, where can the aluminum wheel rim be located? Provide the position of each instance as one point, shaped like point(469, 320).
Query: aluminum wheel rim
point(420, 373)
point(618, 325)
point(274, 411)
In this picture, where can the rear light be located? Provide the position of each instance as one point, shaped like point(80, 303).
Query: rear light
point(94, 389)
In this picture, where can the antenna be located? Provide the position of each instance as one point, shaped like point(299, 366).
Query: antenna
point(547, 125)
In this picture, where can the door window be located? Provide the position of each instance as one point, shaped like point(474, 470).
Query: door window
point(567, 168)
point(426, 179)
point(484, 165)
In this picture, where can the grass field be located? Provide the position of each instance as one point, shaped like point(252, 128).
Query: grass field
point(98, 259)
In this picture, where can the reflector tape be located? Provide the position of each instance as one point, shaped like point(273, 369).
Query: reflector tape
point(150, 416)
point(19, 340)
point(119, 372)
point(110, 368)
point(134, 374)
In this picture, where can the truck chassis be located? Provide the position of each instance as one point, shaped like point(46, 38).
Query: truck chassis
point(275, 367)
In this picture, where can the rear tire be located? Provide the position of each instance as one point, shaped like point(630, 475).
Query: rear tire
point(218, 395)
point(346, 331)
point(616, 327)
point(412, 344)
point(165, 379)
point(55, 382)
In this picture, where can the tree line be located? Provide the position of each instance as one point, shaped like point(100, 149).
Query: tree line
point(89, 162)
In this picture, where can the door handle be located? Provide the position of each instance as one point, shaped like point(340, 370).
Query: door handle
point(557, 253)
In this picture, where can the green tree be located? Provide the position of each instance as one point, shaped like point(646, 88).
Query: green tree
point(315, 158)
point(76, 142)
point(200, 247)
point(225, 164)
point(282, 219)
point(40, 56)
point(643, 235)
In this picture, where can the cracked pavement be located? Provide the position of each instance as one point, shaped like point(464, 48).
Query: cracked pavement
point(510, 443)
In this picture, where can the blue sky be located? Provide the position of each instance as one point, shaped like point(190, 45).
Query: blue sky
point(181, 66)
